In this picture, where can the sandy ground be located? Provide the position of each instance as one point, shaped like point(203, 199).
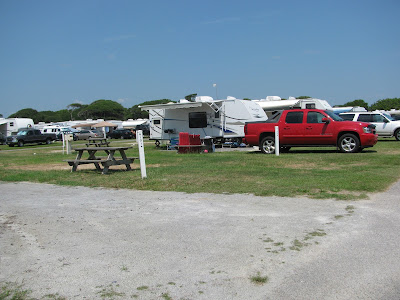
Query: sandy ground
point(83, 243)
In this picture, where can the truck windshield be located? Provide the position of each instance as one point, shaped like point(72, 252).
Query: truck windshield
point(22, 132)
point(334, 116)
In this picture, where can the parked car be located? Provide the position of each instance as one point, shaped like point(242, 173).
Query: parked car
point(85, 134)
point(386, 126)
point(121, 134)
point(30, 136)
point(145, 128)
point(310, 127)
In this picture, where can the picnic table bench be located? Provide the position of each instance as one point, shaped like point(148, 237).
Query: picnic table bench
point(97, 142)
point(106, 162)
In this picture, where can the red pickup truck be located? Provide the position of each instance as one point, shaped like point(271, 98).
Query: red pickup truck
point(310, 127)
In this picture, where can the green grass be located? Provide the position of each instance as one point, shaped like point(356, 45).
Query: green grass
point(315, 172)
point(258, 279)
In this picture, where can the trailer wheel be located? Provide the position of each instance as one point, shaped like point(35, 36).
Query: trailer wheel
point(157, 143)
point(267, 145)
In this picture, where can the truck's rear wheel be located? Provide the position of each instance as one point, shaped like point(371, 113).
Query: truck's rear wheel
point(267, 145)
point(349, 143)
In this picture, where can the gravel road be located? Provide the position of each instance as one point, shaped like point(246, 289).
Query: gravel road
point(84, 243)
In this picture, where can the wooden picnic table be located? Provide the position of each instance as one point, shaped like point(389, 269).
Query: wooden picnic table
point(106, 162)
point(97, 142)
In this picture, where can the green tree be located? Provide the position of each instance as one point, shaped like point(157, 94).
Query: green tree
point(303, 97)
point(105, 109)
point(27, 113)
point(74, 109)
point(386, 104)
point(358, 102)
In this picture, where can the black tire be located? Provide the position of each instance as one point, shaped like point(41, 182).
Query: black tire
point(48, 141)
point(349, 143)
point(397, 134)
point(267, 145)
point(10, 145)
point(20, 143)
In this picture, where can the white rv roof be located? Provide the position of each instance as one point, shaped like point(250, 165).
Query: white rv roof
point(173, 105)
point(3, 122)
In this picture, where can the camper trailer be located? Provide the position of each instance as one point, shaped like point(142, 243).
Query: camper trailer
point(272, 104)
point(11, 126)
point(218, 119)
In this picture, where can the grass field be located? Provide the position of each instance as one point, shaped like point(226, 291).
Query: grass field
point(314, 172)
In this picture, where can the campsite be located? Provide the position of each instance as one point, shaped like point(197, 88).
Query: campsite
point(316, 172)
point(201, 225)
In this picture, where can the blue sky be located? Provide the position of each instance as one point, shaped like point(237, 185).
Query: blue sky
point(54, 53)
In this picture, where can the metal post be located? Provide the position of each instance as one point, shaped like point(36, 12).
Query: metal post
point(276, 140)
point(139, 140)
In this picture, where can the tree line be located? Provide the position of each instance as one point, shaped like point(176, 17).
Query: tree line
point(109, 110)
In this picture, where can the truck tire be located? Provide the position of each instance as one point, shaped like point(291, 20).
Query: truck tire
point(397, 134)
point(48, 141)
point(349, 143)
point(267, 145)
point(20, 143)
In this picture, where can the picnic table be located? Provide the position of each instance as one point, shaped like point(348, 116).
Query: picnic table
point(106, 162)
point(97, 142)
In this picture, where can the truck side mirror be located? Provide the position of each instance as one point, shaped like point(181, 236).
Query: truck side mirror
point(325, 120)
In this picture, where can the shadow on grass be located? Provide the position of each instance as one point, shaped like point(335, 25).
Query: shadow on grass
point(305, 151)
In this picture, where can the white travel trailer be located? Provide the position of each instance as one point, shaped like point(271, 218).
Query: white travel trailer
point(274, 103)
point(218, 119)
point(11, 126)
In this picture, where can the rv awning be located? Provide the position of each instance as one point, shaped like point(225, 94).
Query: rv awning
point(134, 123)
point(172, 106)
point(83, 125)
point(3, 122)
point(105, 124)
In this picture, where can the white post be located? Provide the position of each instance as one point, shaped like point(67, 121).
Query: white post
point(139, 140)
point(276, 140)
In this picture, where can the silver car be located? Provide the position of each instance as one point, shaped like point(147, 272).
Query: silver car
point(85, 134)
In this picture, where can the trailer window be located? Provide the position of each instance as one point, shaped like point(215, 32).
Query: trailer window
point(156, 122)
point(197, 119)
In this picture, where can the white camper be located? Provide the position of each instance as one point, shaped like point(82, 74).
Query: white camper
point(11, 126)
point(218, 119)
point(274, 103)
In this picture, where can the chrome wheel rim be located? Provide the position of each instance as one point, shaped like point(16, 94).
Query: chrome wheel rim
point(348, 144)
point(269, 146)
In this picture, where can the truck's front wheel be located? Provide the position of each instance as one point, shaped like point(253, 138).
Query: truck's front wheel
point(48, 141)
point(349, 143)
point(267, 145)
point(20, 143)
